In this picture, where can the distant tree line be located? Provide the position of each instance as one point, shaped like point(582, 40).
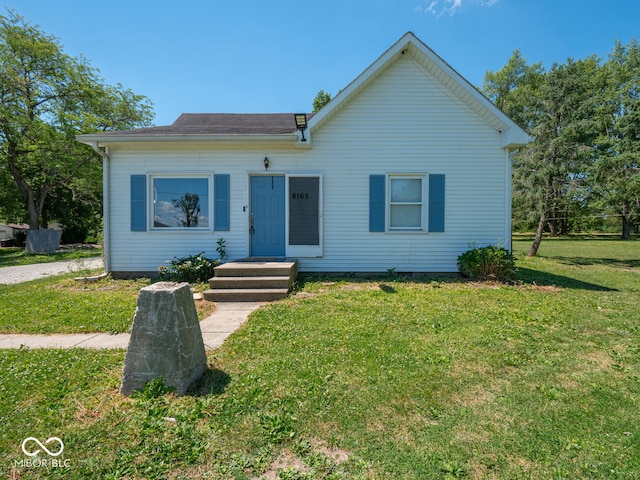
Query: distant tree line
point(583, 168)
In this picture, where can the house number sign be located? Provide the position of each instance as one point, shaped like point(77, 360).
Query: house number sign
point(300, 196)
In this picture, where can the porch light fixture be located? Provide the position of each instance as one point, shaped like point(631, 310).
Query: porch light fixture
point(266, 163)
point(301, 123)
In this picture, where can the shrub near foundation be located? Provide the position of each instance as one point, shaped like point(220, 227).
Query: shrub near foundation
point(192, 269)
point(487, 263)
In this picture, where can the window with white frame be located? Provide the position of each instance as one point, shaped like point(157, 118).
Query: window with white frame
point(181, 202)
point(406, 202)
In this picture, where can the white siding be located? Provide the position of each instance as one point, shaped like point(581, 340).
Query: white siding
point(404, 121)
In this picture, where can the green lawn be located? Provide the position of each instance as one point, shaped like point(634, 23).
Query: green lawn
point(369, 379)
point(17, 256)
point(62, 304)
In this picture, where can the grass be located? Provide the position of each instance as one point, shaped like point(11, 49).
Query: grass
point(13, 256)
point(385, 378)
point(62, 304)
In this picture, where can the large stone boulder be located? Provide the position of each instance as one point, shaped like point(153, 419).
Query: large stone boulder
point(166, 340)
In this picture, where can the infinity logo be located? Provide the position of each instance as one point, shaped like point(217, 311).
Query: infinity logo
point(40, 444)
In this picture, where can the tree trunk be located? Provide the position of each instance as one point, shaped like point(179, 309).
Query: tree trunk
point(627, 223)
point(27, 192)
point(536, 242)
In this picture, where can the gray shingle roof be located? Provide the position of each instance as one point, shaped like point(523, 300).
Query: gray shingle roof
point(221, 124)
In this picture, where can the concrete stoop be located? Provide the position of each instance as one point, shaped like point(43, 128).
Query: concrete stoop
point(252, 281)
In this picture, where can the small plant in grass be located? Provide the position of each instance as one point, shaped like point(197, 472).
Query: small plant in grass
point(278, 426)
point(453, 470)
point(192, 269)
point(484, 263)
point(153, 389)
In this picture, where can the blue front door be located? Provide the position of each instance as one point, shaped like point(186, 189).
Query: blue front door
point(267, 216)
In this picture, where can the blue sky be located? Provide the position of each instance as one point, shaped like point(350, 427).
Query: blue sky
point(272, 56)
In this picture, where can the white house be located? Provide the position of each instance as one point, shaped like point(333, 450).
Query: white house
point(404, 169)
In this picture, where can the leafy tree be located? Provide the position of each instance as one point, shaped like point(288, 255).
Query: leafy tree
point(46, 98)
point(322, 98)
point(514, 89)
point(11, 205)
point(558, 107)
point(555, 166)
point(617, 169)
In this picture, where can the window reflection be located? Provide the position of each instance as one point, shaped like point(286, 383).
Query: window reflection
point(181, 202)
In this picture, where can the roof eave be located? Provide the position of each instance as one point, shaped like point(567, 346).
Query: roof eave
point(514, 138)
point(90, 139)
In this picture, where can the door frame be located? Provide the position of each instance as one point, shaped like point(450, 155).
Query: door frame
point(249, 189)
point(305, 251)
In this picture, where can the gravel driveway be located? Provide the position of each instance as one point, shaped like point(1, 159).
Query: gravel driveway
point(9, 275)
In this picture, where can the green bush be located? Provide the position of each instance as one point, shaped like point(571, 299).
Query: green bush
point(192, 269)
point(486, 263)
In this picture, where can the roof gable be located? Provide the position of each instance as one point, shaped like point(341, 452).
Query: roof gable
point(512, 135)
point(280, 127)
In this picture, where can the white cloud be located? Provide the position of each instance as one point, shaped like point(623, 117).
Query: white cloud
point(451, 7)
point(432, 6)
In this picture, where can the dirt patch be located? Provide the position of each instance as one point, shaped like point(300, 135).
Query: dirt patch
point(543, 288)
point(305, 295)
point(496, 285)
point(475, 397)
point(598, 359)
point(286, 460)
point(205, 309)
point(336, 454)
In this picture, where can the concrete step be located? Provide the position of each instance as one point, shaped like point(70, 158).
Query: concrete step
point(245, 294)
point(256, 269)
point(251, 282)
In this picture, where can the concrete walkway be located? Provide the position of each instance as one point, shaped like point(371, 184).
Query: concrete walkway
point(215, 329)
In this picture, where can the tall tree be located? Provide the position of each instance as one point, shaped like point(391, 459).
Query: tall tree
point(558, 107)
point(556, 164)
point(46, 98)
point(617, 170)
point(515, 89)
point(321, 99)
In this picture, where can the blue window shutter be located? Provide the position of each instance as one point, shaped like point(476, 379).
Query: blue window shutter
point(376, 203)
point(138, 203)
point(221, 202)
point(436, 203)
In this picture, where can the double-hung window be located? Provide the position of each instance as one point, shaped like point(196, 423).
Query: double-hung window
point(182, 202)
point(406, 202)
